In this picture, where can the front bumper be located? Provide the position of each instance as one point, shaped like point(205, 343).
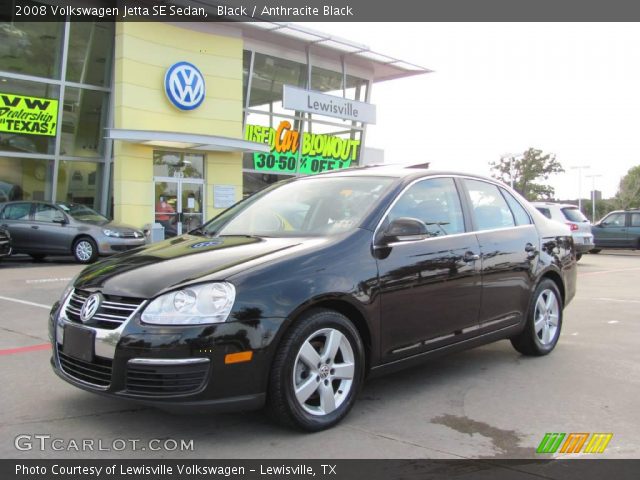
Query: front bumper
point(113, 245)
point(175, 368)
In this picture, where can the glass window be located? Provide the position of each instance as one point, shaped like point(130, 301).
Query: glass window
point(573, 214)
point(635, 219)
point(246, 66)
point(16, 211)
point(615, 220)
point(90, 52)
point(490, 209)
point(545, 211)
point(313, 206)
point(434, 201)
point(47, 213)
point(253, 182)
point(25, 179)
point(270, 74)
point(32, 48)
point(519, 213)
point(22, 137)
point(83, 122)
point(327, 81)
point(178, 164)
point(80, 182)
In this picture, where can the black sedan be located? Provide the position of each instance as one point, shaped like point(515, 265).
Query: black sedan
point(292, 297)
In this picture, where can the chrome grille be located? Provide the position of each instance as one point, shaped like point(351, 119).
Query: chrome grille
point(113, 311)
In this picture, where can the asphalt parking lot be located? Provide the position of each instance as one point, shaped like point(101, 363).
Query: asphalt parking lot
point(485, 403)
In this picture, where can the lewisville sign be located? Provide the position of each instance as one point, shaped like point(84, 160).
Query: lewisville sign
point(299, 99)
point(28, 115)
point(319, 153)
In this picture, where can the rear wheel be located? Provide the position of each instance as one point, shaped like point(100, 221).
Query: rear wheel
point(544, 321)
point(85, 250)
point(317, 372)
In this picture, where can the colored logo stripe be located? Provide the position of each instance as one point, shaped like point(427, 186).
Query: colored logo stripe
point(574, 442)
point(550, 443)
point(598, 442)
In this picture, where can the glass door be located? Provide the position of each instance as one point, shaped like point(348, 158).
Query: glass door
point(178, 204)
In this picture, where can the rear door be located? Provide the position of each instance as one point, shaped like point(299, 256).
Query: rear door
point(430, 288)
point(509, 246)
point(15, 217)
point(634, 230)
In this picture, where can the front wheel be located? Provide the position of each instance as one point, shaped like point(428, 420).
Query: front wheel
point(544, 321)
point(578, 257)
point(595, 250)
point(317, 372)
point(85, 250)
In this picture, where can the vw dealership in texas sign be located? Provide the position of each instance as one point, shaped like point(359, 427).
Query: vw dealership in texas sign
point(295, 98)
point(184, 85)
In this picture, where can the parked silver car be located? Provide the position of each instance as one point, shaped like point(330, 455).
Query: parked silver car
point(574, 218)
point(40, 229)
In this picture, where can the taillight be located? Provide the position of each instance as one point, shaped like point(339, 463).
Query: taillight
point(573, 226)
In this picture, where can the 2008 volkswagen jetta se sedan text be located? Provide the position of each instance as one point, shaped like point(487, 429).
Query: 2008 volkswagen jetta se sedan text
point(292, 297)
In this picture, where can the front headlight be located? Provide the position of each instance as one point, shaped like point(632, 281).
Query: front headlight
point(197, 305)
point(112, 233)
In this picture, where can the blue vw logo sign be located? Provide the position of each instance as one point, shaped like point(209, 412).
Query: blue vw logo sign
point(184, 85)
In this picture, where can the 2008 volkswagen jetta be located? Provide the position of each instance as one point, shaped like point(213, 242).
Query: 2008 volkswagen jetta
point(292, 297)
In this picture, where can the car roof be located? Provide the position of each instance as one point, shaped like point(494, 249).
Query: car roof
point(399, 171)
point(554, 204)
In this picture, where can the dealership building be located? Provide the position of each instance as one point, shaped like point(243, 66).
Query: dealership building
point(172, 122)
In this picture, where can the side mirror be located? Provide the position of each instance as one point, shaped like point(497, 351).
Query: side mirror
point(61, 221)
point(405, 229)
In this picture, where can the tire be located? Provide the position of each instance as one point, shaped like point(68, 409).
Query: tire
point(302, 359)
point(541, 332)
point(595, 250)
point(37, 257)
point(85, 250)
point(578, 257)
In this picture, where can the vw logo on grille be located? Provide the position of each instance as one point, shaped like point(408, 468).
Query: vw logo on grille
point(90, 307)
point(184, 85)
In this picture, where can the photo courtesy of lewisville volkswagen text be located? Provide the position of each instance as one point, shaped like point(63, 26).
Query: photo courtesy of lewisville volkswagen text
point(333, 239)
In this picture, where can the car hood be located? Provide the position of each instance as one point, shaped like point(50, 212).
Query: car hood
point(147, 272)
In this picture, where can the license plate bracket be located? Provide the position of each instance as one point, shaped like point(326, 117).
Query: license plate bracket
point(79, 343)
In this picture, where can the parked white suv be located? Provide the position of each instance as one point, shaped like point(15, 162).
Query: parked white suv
point(572, 216)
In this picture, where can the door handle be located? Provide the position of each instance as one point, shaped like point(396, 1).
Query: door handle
point(35, 227)
point(470, 257)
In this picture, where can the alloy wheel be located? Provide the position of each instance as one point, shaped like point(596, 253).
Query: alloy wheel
point(546, 317)
point(84, 250)
point(323, 372)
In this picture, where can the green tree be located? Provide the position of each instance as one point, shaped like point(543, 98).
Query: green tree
point(529, 170)
point(629, 190)
point(603, 207)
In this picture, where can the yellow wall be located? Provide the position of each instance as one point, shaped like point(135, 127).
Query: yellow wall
point(144, 51)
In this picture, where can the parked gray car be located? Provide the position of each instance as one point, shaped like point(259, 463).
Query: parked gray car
point(40, 229)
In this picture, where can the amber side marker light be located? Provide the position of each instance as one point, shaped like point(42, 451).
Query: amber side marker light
point(238, 357)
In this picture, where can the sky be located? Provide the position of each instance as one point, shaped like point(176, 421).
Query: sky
point(571, 89)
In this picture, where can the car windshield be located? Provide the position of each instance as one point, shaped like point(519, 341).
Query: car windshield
point(574, 215)
point(82, 213)
point(308, 207)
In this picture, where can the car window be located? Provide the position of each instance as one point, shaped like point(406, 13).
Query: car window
point(435, 201)
point(307, 207)
point(573, 214)
point(16, 211)
point(490, 209)
point(545, 211)
point(47, 213)
point(519, 213)
point(635, 219)
point(614, 220)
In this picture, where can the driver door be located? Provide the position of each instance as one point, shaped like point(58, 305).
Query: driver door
point(430, 288)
